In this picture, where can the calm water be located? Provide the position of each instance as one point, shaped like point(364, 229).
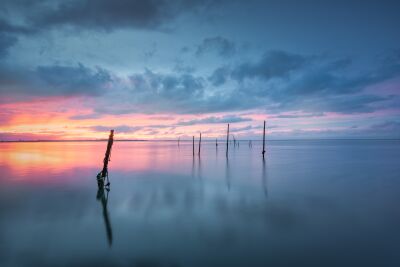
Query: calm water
point(310, 203)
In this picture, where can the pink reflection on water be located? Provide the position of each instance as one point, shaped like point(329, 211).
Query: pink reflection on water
point(45, 162)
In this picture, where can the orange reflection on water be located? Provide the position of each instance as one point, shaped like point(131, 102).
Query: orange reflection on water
point(46, 161)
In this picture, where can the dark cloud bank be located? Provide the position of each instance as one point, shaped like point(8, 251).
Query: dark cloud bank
point(278, 81)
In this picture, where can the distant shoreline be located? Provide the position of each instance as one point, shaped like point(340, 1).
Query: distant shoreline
point(206, 140)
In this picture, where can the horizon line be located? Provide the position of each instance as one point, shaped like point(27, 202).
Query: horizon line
point(187, 140)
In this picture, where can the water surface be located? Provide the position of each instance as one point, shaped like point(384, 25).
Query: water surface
point(309, 203)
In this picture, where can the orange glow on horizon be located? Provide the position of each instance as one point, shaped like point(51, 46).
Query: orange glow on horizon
point(47, 162)
point(64, 119)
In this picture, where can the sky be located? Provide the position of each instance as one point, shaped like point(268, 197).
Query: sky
point(163, 69)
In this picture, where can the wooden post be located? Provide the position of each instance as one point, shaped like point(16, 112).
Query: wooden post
point(108, 154)
point(199, 144)
point(104, 172)
point(193, 145)
point(263, 151)
point(216, 142)
point(227, 141)
point(179, 138)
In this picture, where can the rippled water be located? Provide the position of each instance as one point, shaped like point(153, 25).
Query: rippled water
point(310, 203)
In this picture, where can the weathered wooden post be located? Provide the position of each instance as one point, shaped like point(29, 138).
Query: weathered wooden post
point(216, 142)
point(104, 172)
point(193, 145)
point(227, 141)
point(199, 144)
point(263, 151)
point(179, 139)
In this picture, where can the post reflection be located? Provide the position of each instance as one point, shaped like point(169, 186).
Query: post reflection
point(193, 167)
point(199, 170)
point(264, 178)
point(102, 196)
point(227, 174)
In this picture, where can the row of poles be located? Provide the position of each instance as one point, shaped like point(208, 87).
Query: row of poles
point(227, 143)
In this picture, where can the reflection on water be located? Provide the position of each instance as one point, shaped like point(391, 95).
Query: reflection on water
point(309, 203)
point(227, 174)
point(264, 177)
point(102, 196)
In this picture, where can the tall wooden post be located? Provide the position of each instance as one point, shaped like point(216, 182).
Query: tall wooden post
point(104, 172)
point(108, 154)
point(216, 142)
point(199, 144)
point(179, 139)
point(227, 141)
point(263, 151)
point(193, 145)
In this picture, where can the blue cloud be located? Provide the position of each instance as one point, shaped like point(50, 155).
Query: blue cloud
point(68, 80)
point(219, 76)
point(6, 41)
point(213, 119)
point(119, 128)
point(219, 45)
point(273, 64)
point(53, 80)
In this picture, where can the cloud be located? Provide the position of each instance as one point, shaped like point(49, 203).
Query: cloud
point(30, 17)
point(219, 45)
point(54, 80)
point(314, 84)
point(10, 28)
point(8, 35)
point(387, 126)
point(302, 115)
point(213, 119)
point(85, 116)
point(320, 85)
point(6, 41)
point(349, 104)
point(388, 129)
point(273, 64)
point(309, 84)
point(102, 15)
point(151, 91)
point(167, 85)
point(219, 76)
point(74, 80)
point(106, 15)
point(118, 129)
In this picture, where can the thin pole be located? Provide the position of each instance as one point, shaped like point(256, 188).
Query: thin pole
point(216, 142)
point(179, 138)
point(263, 151)
point(193, 145)
point(227, 141)
point(199, 144)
